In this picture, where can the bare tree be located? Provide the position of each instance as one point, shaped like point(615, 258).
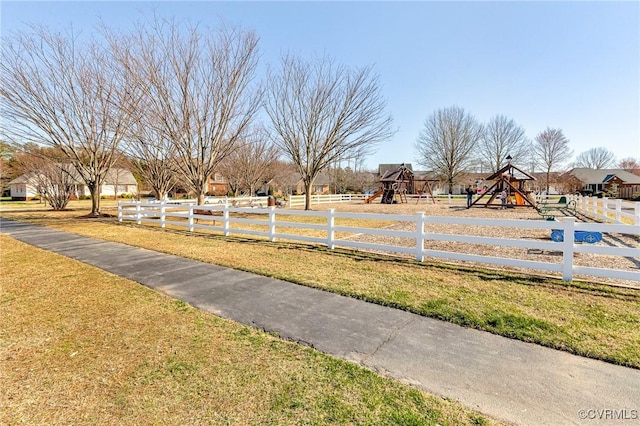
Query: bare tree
point(596, 158)
point(197, 86)
point(629, 163)
point(251, 162)
point(551, 149)
point(152, 156)
point(59, 92)
point(321, 112)
point(47, 170)
point(501, 138)
point(447, 142)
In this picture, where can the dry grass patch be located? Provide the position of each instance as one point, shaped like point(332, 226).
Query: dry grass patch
point(82, 346)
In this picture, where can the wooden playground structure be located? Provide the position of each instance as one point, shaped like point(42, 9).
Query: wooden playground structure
point(511, 180)
point(395, 185)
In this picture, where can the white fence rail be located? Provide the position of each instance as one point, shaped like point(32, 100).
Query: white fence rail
point(291, 200)
point(609, 210)
point(612, 210)
point(298, 200)
point(189, 216)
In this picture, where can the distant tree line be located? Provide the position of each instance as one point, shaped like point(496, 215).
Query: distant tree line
point(453, 141)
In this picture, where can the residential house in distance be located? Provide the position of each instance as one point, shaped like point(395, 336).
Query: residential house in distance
point(617, 181)
point(290, 182)
point(117, 182)
point(217, 185)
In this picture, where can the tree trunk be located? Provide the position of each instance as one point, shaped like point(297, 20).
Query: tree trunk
point(307, 194)
point(200, 198)
point(95, 200)
point(547, 182)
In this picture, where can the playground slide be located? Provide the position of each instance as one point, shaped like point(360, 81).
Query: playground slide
point(374, 196)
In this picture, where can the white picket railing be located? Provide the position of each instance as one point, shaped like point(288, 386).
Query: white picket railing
point(298, 200)
point(188, 216)
point(609, 210)
point(613, 210)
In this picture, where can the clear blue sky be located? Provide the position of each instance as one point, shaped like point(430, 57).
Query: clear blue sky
point(568, 65)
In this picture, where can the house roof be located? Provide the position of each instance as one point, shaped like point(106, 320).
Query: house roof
point(25, 178)
point(121, 176)
point(593, 176)
point(384, 168)
point(423, 175)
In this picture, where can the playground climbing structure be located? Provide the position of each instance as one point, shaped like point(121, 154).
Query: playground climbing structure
point(511, 180)
point(396, 184)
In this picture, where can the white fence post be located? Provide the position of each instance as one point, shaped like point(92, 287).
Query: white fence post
point(618, 210)
point(191, 208)
point(119, 211)
point(225, 220)
point(419, 236)
point(163, 215)
point(330, 231)
point(272, 223)
point(605, 209)
point(138, 213)
point(568, 228)
point(636, 213)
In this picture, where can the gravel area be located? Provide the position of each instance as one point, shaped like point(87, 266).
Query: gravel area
point(457, 209)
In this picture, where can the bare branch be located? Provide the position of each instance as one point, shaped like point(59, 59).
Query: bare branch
point(551, 149)
point(502, 137)
point(447, 142)
point(59, 92)
point(253, 161)
point(46, 170)
point(321, 112)
point(198, 93)
point(596, 158)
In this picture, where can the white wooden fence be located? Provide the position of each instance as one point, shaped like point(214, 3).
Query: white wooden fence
point(298, 200)
point(188, 216)
point(609, 210)
point(612, 210)
point(291, 200)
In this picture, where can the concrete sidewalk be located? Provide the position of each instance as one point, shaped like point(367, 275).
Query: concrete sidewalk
point(506, 379)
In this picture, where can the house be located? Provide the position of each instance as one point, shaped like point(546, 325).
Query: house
point(218, 185)
point(290, 181)
point(619, 182)
point(117, 182)
point(321, 185)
